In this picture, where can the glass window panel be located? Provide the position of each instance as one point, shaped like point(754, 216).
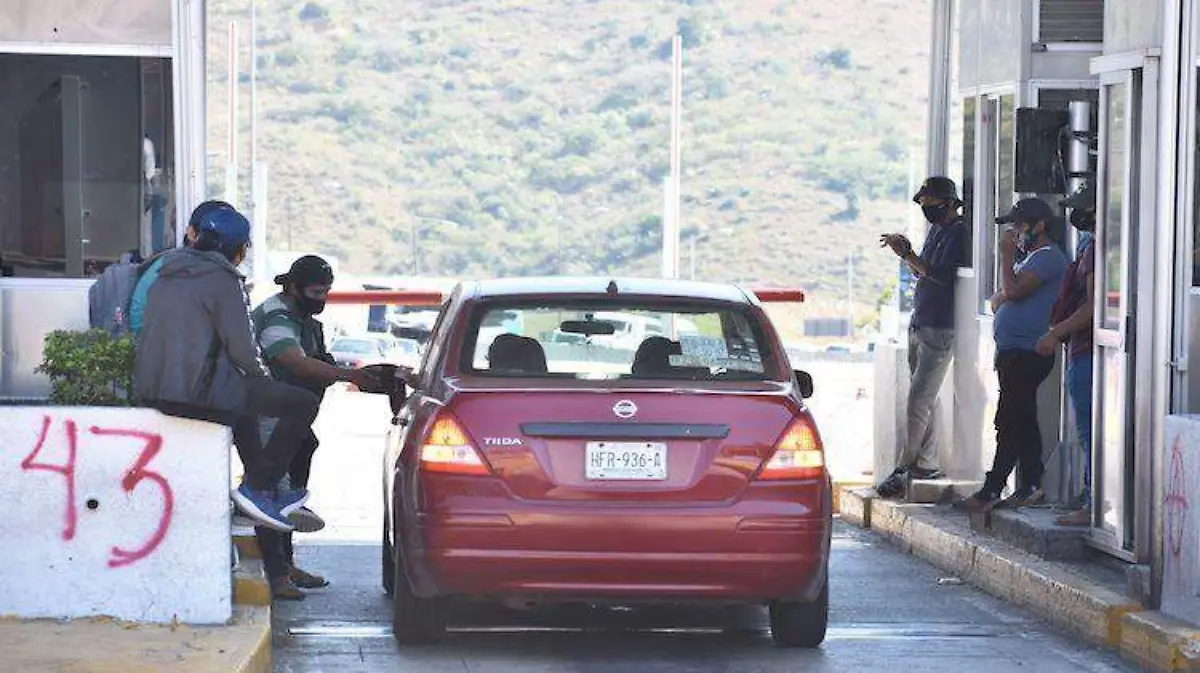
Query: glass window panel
point(86, 162)
point(1116, 168)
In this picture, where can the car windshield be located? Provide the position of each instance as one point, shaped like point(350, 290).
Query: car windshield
point(407, 346)
point(609, 341)
point(356, 346)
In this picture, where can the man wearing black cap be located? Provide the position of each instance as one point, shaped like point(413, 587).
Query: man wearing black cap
point(1022, 315)
point(931, 329)
point(293, 345)
point(1071, 323)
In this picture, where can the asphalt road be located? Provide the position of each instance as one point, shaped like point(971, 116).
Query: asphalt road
point(889, 611)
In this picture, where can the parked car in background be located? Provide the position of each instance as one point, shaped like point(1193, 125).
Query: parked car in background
point(540, 470)
point(358, 351)
point(405, 352)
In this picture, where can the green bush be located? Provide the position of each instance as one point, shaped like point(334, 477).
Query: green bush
point(88, 368)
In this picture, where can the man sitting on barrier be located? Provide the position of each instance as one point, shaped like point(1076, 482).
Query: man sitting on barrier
point(293, 344)
point(197, 358)
point(148, 271)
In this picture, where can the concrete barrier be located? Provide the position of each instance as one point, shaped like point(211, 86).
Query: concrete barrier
point(116, 512)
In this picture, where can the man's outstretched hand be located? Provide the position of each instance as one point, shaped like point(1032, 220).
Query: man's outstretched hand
point(363, 379)
point(899, 244)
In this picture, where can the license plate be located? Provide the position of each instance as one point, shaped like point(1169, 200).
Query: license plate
point(626, 461)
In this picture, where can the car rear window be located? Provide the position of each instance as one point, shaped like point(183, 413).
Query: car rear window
point(611, 340)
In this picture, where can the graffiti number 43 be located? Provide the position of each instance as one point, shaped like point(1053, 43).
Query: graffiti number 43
point(135, 475)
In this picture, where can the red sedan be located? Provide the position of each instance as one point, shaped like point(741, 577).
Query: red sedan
point(620, 441)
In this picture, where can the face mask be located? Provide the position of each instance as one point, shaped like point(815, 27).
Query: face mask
point(1083, 220)
point(1028, 241)
point(935, 214)
point(309, 305)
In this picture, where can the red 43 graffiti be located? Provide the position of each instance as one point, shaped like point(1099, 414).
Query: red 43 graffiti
point(139, 472)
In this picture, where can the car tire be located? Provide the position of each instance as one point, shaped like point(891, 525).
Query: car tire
point(415, 620)
point(388, 563)
point(801, 623)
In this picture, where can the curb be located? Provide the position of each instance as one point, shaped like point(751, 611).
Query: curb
point(1098, 615)
point(247, 546)
point(250, 585)
point(103, 645)
point(842, 485)
point(259, 658)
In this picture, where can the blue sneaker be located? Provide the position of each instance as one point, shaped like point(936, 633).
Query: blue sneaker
point(292, 500)
point(262, 506)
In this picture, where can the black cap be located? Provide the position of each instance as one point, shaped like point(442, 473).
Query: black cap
point(307, 270)
point(1028, 210)
point(939, 187)
point(1084, 197)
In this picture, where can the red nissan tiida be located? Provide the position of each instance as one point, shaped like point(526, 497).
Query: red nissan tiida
point(605, 440)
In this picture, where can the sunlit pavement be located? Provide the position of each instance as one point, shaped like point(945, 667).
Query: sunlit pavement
point(889, 611)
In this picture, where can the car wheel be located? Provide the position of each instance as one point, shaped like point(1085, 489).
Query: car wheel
point(389, 564)
point(415, 621)
point(801, 623)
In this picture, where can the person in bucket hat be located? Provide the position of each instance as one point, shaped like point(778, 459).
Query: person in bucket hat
point(931, 329)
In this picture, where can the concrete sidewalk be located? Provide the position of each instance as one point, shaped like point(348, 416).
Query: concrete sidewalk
point(101, 645)
point(1071, 596)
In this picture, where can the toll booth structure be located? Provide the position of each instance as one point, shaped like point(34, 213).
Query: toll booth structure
point(1030, 98)
point(101, 155)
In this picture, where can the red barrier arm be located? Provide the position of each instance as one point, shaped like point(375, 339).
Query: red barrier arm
point(780, 296)
point(399, 297)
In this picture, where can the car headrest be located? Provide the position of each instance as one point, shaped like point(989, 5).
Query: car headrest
point(654, 355)
point(513, 353)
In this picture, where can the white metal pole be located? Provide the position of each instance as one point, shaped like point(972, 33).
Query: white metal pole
point(671, 207)
point(231, 156)
point(253, 84)
point(850, 293)
point(937, 129)
point(415, 268)
point(258, 231)
point(692, 256)
point(676, 155)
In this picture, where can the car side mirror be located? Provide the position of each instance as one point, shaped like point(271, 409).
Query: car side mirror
point(804, 381)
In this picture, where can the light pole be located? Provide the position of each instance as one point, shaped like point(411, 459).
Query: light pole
point(850, 289)
point(416, 227)
point(692, 241)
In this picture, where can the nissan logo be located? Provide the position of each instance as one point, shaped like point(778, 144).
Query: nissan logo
point(625, 409)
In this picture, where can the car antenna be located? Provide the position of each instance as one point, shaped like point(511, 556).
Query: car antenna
point(612, 287)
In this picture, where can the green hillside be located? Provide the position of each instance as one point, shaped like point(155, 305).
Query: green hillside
point(541, 128)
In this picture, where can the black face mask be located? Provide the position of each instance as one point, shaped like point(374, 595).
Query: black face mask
point(311, 306)
point(935, 214)
point(307, 304)
point(1083, 220)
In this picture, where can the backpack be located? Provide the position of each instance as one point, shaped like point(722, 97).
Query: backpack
point(109, 296)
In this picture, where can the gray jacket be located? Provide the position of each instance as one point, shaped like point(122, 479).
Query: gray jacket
point(197, 346)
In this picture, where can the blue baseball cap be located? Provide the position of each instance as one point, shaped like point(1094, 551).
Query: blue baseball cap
point(223, 229)
point(204, 209)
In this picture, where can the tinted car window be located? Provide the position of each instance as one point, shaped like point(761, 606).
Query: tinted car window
point(610, 340)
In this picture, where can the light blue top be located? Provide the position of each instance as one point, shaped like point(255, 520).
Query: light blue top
point(1021, 322)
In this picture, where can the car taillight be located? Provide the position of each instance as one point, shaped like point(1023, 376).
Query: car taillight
point(448, 450)
point(798, 455)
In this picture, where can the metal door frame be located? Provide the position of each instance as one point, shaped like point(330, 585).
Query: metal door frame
point(1139, 71)
point(1105, 338)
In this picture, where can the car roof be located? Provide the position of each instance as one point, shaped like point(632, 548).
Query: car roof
point(598, 285)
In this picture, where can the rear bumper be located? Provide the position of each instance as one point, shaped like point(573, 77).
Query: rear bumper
point(668, 555)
